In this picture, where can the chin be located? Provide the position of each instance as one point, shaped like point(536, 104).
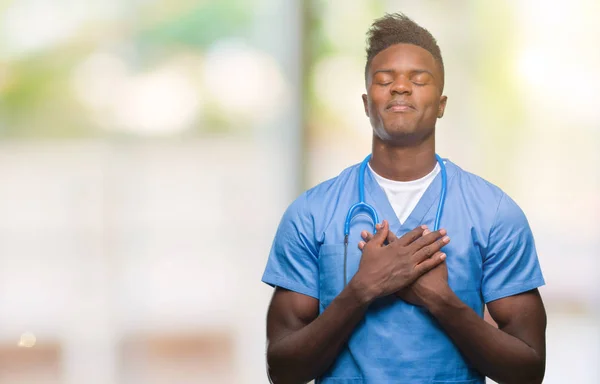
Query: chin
point(401, 136)
point(399, 132)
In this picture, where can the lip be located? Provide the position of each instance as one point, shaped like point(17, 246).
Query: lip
point(400, 106)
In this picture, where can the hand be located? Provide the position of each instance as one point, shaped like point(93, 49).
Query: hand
point(427, 287)
point(388, 268)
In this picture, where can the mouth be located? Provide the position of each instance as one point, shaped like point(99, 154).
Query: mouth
point(400, 106)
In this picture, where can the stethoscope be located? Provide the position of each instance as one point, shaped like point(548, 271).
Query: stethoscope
point(362, 205)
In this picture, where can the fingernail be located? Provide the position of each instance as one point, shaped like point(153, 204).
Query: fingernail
point(442, 256)
point(445, 239)
point(443, 232)
point(426, 232)
point(423, 226)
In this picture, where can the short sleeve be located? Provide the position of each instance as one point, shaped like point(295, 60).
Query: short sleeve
point(293, 260)
point(511, 264)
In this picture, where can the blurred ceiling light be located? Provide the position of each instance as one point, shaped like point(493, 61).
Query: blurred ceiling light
point(27, 340)
point(244, 82)
point(162, 102)
point(538, 68)
point(548, 73)
point(165, 101)
point(29, 25)
point(535, 68)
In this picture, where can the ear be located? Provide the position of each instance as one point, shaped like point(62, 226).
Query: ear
point(442, 107)
point(366, 104)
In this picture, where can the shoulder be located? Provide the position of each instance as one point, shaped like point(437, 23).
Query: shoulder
point(331, 187)
point(497, 212)
point(490, 198)
point(477, 186)
point(328, 191)
point(316, 200)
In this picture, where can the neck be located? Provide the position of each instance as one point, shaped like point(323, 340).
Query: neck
point(403, 163)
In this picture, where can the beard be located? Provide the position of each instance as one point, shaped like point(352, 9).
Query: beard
point(402, 133)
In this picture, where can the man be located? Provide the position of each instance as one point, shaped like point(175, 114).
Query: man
point(406, 304)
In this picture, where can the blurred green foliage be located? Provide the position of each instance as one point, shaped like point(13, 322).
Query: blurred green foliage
point(36, 89)
point(36, 94)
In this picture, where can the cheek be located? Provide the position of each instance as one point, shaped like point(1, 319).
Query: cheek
point(375, 100)
point(432, 111)
point(431, 108)
point(374, 109)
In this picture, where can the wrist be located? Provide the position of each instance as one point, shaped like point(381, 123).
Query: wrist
point(360, 292)
point(438, 303)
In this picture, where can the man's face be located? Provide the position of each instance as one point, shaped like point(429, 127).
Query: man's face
point(404, 94)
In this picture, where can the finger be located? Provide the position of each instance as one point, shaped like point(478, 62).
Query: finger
point(430, 263)
point(361, 245)
point(427, 239)
point(391, 237)
point(368, 236)
point(431, 249)
point(411, 236)
point(381, 234)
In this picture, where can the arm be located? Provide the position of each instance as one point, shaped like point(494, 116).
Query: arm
point(302, 345)
point(513, 353)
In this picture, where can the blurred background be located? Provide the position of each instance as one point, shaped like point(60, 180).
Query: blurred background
point(148, 149)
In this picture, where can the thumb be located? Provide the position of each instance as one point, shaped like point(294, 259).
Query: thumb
point(381, 234)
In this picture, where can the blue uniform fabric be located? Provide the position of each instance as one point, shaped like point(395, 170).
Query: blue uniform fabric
point(491, 255)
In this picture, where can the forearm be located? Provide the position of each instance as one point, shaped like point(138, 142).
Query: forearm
point(308, 352)
point(493, 352)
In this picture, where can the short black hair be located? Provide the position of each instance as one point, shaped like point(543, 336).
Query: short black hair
point(397, 28)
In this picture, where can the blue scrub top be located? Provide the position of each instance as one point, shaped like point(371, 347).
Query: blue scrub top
point(492, 255)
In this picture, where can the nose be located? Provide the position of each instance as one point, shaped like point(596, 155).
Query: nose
point(401, 85)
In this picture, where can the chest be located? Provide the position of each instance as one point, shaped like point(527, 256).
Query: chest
point(464, 258)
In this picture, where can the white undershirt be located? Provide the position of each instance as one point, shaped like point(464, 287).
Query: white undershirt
point(405, 195)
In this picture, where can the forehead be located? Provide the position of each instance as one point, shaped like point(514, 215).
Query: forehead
point(404, 57)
